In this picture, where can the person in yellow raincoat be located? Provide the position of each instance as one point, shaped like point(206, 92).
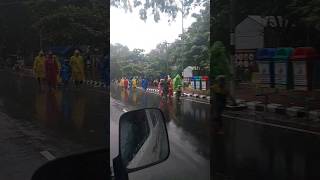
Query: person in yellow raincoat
point(122, 82)
point(134, 83)
point(77, 68)
point(38, 67)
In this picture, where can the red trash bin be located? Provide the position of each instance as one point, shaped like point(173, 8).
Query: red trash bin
point(303, 59)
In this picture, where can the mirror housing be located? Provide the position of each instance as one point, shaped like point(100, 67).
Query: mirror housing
point(88, 165)
point(143, 139)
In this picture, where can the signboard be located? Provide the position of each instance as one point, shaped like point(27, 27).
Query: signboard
point(244, 57)
point(281, 74)
point(300, 76)
point(264, 74)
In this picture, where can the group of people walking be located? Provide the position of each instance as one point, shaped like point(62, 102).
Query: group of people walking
point(47, 68)
point(126, 83)
point(166, 86)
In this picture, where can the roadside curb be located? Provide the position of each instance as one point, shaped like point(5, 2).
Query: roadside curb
point(293, 111)
point(258, 106)
point(95, 84)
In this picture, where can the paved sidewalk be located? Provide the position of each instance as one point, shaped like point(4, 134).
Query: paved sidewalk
point(248, 92)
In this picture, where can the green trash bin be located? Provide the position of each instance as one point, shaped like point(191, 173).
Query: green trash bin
point(283, 77)
point(198, 82)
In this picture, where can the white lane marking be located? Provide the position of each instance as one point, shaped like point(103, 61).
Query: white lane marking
point(274, 125)
point(196, 101)
point(47, 155)
point(124, 110)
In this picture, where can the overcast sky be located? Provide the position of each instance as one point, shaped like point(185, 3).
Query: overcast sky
point(128, 29)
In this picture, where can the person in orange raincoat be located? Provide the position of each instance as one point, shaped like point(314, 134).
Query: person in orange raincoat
point(126, 83)
point(51, 69)
point(38, 67)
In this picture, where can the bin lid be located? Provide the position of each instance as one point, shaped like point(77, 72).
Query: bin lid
point(265, 53)
point(303, 53)
point(283, 53)
point(204, 78)
point(195, 77)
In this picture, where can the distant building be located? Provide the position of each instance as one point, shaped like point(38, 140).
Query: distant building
point(187, 73)
point(251, 34)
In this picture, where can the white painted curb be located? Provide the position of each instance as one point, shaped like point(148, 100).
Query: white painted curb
point(314, 115)
point(252, 104)
point(293, 111)
point(272, 107)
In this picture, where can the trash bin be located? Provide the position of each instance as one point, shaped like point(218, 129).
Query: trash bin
point(283, 77)
point(305, 63)
point(204, 82)
point(192, 81)
point(264, 59)
point(198, 82)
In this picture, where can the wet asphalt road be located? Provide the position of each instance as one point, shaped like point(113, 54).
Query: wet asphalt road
point(253, 151)
point(248, 149)
point(188, 130)
point(78, 116)
point(74, 120)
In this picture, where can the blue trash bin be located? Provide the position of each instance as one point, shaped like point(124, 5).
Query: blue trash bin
point(265, 62)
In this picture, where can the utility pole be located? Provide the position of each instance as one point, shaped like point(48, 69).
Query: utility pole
point(232, 46)
point(167, 72)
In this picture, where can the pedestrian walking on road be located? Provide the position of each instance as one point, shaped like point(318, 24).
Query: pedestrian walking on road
point(165, 87)
point(77, 67)
point(134, 83)
point(65, 73)
point(39, 68)
point(51, 69)
point(144, 84)
point(220, 95)
point(177, 86)
point(160, 87)
point(121, 83)
point(125, 83)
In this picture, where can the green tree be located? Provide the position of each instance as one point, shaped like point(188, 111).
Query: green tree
point(219, 61)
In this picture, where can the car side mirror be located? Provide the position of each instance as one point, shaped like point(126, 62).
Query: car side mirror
point(143, 139)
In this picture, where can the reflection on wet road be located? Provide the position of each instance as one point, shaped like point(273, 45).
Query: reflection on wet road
point(187, 124)
point(246, 150)
point(253, 151)
point(79, 115)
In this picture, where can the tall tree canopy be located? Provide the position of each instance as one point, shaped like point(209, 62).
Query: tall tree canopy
point(157, 7)
point(190, 50)
point(26, 25)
